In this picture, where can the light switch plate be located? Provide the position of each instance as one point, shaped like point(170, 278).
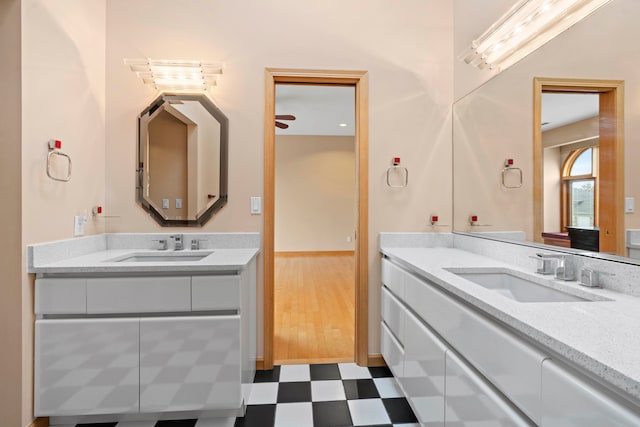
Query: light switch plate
point(629, 204)
point(256, 206)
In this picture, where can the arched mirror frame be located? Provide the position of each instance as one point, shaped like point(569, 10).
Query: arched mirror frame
point(142, 151)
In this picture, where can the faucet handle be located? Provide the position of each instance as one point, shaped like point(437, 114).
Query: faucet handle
point(545, 265)
point(195, 243)
point(162, 244)
point(591, 278)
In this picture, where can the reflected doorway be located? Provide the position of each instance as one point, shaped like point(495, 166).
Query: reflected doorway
point(578, 156)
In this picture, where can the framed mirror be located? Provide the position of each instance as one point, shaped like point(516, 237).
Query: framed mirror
point(182, 159)
point(497, 121)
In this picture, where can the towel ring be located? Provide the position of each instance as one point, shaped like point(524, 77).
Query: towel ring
point(54, 151)
point(504, 173)
point(405, 179)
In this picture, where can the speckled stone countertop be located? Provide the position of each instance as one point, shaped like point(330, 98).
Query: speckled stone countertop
point(602, 337)
point(102, 254)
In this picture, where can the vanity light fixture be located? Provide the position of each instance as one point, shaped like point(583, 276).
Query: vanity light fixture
point(343, 125)
point(528, 25)
point(176, 75)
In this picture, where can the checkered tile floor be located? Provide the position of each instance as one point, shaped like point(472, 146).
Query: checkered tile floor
point(331, 395)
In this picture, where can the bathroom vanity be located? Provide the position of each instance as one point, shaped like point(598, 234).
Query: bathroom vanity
point(127, 332)
point(466, 350)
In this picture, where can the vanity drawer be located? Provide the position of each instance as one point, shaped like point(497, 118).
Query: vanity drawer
point(392, 351)
point(215, 292)
point(570, 401)
point(513, 366)
point(138, 294)
point(61, 296)
point(393, 314)
point(393, 277)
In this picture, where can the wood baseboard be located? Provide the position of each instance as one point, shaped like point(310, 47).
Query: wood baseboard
point(313, 253)
point(376, 360)
point(372, 360)
point(39, 422)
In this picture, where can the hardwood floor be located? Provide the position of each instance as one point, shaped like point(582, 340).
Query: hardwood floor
point(314, 309)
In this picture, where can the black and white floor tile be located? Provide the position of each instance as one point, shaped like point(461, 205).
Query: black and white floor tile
point(330, 395)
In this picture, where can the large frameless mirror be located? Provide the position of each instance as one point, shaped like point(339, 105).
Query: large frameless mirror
point(495, 122)
point(182, 160)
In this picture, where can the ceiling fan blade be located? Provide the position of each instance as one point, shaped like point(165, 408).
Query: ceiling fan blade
point(282, 125)
point(285, 117)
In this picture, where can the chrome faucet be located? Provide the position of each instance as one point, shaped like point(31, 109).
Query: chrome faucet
point(563, 268)
point(178, 239)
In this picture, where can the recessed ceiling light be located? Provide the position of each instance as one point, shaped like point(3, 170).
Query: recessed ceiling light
point(343, 125)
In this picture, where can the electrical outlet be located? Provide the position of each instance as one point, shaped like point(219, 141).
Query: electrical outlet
point(78, 225)
point(348, 239)
point(165, 203)
point(178, 203)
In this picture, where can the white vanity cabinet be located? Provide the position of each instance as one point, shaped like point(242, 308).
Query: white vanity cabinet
point(570, 401)
point(144, 344)
point(459, 367)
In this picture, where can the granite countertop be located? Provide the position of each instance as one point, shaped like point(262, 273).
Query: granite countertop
point(602, 337)
point(107, 262)
point(106, 253)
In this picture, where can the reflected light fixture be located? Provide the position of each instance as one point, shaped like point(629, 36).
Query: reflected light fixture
point(176, 75)
point(528, 25)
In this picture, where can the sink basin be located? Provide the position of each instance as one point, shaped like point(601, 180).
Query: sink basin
point(514, 286)
point(163, 257)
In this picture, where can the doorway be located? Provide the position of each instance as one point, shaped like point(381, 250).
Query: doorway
point(590, 199)
point(359, 81)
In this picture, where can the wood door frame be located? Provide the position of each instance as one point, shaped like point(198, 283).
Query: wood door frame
point(360, 81)
point(611, 167)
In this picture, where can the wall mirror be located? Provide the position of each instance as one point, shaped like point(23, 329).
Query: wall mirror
point(496, 122)
point(182, 160)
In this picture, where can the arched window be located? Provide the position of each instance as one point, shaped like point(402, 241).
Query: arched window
point(580, 188)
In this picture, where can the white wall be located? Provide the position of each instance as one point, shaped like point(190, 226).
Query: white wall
point(63, 97)
point(315, 207)
point(406, 50)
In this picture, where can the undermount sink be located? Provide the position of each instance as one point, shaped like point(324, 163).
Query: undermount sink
point(163, 257)
point(514, 286)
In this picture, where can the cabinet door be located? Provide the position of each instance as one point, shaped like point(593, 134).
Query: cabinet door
point(470, 401)
point(568, 401)
point(424, 372)
point(189, 363)
point(86, 366)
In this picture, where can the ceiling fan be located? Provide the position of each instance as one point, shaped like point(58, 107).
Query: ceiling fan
point(283, 117)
